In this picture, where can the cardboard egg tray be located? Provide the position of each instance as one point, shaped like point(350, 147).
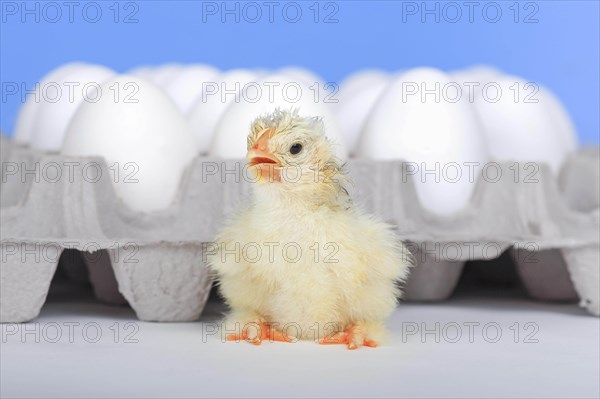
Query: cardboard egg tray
point(156, 262)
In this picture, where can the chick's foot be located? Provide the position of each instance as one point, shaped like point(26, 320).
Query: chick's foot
point(353, 337)
point(257, 332)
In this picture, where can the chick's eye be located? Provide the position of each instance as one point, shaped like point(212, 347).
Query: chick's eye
point(295, 148)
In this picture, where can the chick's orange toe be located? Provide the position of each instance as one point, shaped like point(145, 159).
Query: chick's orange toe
point(235, 337)
point(275, 335)
point(352, 337)
point(255, 333)
point(337, 338)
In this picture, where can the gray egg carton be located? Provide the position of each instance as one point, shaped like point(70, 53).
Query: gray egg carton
point(156, 262)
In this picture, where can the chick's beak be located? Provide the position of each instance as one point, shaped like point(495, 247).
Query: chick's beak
point(260, 157)
point(259, 152)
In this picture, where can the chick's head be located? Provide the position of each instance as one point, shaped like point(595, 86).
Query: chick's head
point(286, 148)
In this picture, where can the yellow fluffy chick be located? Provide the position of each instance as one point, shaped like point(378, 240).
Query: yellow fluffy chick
point(301, 262)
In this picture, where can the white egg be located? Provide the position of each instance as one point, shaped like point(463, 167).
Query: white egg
point(261, 71)
point(432, 133)
point(353, 109)
point(25, 120)
point(144, 72)
point(56, 110)
point(272, 91)
point(360, 80)
point(476, 80)
point(28, 112)
point(206, 112)
point(161, 75)
point(149, 140)
point(561, 120)
point(186, 87)
point(481, 74)
point(165, 74)
point(355, 99)
point(301, 75)
point(523, 122)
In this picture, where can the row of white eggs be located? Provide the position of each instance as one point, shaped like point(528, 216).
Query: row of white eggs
point(497, 118)
point(167, 122)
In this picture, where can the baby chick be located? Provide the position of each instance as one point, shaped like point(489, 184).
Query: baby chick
point(301, 262)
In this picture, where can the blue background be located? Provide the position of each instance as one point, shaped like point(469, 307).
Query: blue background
point(558, 49)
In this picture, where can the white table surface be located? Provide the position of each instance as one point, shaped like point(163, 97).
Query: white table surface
point(178, 360)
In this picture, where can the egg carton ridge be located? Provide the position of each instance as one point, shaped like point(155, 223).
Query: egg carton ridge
point(164, 277)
